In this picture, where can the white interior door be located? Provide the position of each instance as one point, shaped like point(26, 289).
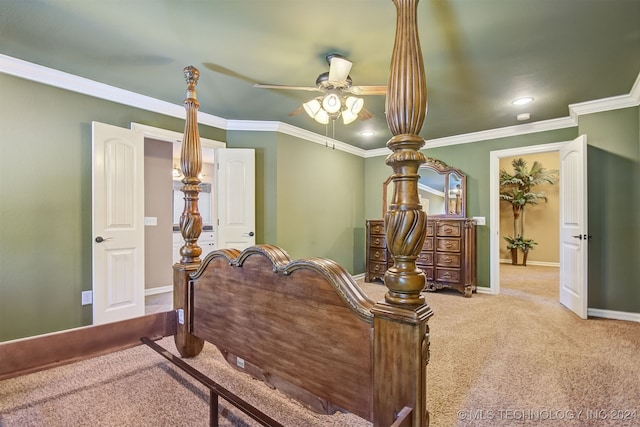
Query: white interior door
point(573, 226)
point(235, 197)
point(118, 223)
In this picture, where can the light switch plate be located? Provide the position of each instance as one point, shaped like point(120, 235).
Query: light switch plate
point(150, 220)
point(480, 220)
point(87, 297)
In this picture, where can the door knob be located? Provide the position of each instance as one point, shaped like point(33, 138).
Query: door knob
point(251, 234)
point(101, 239)
point(582, 236)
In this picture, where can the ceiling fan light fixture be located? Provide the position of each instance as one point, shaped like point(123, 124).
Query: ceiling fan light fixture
point(312, 107)
point(348, 116)
point(331, 103)
point(322, 117)
point(354, 104)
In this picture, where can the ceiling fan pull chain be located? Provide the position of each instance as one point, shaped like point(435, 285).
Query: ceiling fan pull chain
point(333, 132)
point(326, 134)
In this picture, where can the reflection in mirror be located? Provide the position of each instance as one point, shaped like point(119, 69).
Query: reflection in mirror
point(442, 190)
point(432, 191)
point(455, 194)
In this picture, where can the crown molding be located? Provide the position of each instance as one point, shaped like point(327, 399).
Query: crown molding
point(527, 128)
point(27, 70)
point(271, 126)
point(608, 104)
point(60, 79)
point(575, 110)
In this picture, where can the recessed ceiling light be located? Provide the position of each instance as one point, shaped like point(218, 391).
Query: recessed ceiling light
point(522, 101)
point(368, 133)
point(523, 116)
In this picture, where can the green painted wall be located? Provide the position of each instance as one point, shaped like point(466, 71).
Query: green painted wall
point(45, 201)
point(309, 198)
point(473, 160)
point(320, 203)
point(613, 140)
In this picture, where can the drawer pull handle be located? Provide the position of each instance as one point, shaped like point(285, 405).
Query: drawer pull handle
point(446, 275)
point(448, 245)
point(447, 260)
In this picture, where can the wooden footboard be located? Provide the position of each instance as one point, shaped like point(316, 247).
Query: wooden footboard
point(305, 322)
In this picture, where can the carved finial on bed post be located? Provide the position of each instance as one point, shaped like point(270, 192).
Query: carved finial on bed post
point(401, 342)
point(191, 165)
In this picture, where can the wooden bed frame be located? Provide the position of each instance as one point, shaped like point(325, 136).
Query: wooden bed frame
point(303, 326)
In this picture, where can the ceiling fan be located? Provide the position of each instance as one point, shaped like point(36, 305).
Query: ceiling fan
point(334, 84)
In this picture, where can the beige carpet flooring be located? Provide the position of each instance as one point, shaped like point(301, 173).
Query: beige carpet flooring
point(518, 358)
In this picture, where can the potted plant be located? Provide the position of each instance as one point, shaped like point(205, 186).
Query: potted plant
point(517, 189)
point(519, 242)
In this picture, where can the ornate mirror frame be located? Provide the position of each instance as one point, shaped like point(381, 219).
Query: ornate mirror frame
point(453, 189)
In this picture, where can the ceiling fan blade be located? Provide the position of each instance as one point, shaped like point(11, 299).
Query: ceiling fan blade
point(364, 114)
point(307, 88)
point(297, 111)
point(339, 70)
point(368, 90)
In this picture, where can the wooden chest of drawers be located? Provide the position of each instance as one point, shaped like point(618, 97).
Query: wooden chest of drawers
point(378, 258)
point(448, 256)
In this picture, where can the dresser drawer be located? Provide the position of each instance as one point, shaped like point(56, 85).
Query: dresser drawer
point(450, 275)
point(448, 245)
point(428, 272)
point(378, 242)
point(378, 254)
point(429, 228)
point(453, 229)
point(377, 228)
point(377, 267)
point(425, 258)
point(428, 244)
point(448, 260)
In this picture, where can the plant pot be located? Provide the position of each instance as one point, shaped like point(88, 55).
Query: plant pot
point(524, 257)
point(514, 256)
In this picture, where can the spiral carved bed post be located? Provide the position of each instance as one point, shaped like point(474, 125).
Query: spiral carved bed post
point(190, 220)
point(401, 348)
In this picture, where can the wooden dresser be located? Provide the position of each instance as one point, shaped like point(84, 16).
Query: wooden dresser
point(448, 256)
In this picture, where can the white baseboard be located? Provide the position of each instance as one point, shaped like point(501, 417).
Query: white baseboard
point(541, 263)
point(611, 314)
point(158, 290)
point(358, 276)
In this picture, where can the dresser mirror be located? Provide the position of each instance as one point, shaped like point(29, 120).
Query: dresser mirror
point(441, 188)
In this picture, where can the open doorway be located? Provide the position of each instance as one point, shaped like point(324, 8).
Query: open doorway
point(534, 273)
point(572, 223)
point(497, 244)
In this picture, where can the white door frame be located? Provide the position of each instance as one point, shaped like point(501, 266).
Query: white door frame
point(494, 196)
point(171, 136)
